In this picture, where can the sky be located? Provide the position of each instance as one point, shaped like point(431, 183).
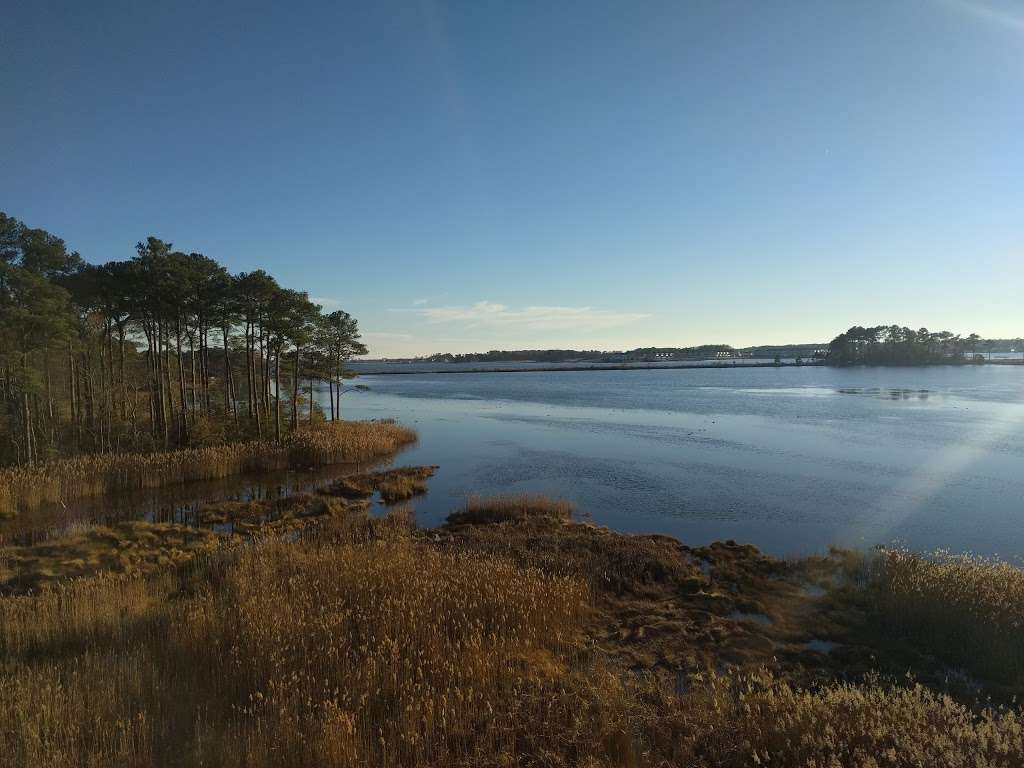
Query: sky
point(503, 175)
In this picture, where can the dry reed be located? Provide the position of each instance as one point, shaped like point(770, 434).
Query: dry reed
point(26, 488)
point(967, 608)
point(356, 642)
point(338, 442)
point(128, 547)
point(284, 653)
point(354, 645)
point(510, 509)
point(394, 485)
point(755, 719)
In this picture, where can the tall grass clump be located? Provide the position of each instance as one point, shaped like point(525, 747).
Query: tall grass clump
point(736, 721)
point(511, 508)
point(26, 488)
point(967, 609)
point(391, 655)
point(337, 442)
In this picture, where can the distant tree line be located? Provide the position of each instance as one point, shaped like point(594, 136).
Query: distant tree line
point(1005, 345)
point(515, 356)
point(899, 345)
point(567, 355)
point(163, 349)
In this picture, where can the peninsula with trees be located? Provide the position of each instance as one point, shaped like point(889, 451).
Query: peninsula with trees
point(164, 349)
point(321, 626)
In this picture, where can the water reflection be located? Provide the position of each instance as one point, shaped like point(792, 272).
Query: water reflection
point(172, 504)
point(887, 393)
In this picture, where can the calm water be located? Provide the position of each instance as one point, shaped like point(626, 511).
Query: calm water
point(789, 459)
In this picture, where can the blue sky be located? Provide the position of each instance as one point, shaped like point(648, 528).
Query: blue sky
point(477, 175)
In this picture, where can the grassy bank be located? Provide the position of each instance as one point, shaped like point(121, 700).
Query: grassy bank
point(26, 488)
point(509, 636)
point(969, 610)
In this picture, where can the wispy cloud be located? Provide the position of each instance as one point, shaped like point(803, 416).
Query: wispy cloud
point(537, 318)
point(989, 11)
point(420, 302)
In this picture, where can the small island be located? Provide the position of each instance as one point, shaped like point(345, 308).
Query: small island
point(900, 345)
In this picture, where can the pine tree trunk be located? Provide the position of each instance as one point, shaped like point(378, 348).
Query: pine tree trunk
point(250, 384)
point(295, 391)
point(181, 381)
point(229, 401)
point(192, 365)
point(71, 386)
point(277, 395)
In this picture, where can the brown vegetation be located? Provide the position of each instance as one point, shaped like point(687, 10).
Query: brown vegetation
point(511, 509)
point(968, 609)
point(533, 640)
point(25, 488)
point(130, 548)
point(394, 485)
point(341, 442)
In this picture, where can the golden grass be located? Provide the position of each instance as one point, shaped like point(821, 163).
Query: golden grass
point(395, 485)
point(339, 442)
point(756, 719)
point(403, 484)
point(284, 654)
point(511, 509)
point(129, 547)
point(966, 608)
point(403, 656)
point(26, 488)
point(250, 516)
point(359, 641)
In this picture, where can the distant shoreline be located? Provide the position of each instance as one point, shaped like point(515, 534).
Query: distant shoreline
point(658, 367)
point(603, 367)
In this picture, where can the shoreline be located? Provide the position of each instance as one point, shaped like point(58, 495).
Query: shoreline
point(653, 634)
point(597, 367)
point(679, 367)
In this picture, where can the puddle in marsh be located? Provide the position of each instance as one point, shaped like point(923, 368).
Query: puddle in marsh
point(173, 504)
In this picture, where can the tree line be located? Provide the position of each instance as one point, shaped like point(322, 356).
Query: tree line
point(160, 350)
point(570, 355)
point(899, 345)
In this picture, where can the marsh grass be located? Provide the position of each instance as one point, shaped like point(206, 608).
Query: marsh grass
point(394, 485)
point(360, 641)
point(130, 548)
point(755, 718)
point(403, 484)
point(339, 442)
point(26, 488)
point(967, 609)
point(511, 509)
point(302, 652)
point(249, 516)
